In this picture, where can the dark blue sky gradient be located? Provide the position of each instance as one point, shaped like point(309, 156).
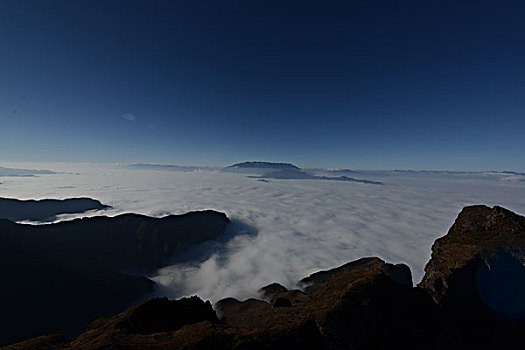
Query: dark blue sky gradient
point(357, 84)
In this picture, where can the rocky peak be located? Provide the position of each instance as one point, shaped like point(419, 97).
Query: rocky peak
point(478, 236)
point(477, 223)
point(399, 273)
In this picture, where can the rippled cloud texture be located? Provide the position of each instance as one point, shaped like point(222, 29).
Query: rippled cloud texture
point(284, 229)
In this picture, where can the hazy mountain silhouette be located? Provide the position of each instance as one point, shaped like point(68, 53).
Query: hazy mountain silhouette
point(169, 167)
point(39, 210)
point(286, 171)
point(291, 174)
point(23, 172)
point(267, 170)
point(263, 165)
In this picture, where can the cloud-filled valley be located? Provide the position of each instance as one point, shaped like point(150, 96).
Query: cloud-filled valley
point(283, 230)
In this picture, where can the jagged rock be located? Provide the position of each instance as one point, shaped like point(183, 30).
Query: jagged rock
point(353, 306)
point(479, 237)
point(276, 291)
point(243, 314)
point(477, 276)
point(399, 273)
point(272, 290)
point(358, 307)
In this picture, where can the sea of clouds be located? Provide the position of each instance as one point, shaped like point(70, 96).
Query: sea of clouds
point(283, 230)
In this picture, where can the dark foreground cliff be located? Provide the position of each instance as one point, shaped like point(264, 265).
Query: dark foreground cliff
point(472, 296)
point(60, 277)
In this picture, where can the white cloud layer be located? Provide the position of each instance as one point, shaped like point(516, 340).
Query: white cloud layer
point(288, 228)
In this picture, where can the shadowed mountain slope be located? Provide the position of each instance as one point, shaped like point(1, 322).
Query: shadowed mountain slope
point(59, 277)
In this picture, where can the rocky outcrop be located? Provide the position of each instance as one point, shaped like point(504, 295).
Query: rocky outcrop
point(349, 307)
point(163, 315)
point(353, 306)
point(480, 237)
point(59, 277)
point(45, 209)
point(477, 277)
point(471, 297)
point(188, 323)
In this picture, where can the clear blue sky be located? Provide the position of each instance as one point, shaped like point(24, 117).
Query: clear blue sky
point(355, 84)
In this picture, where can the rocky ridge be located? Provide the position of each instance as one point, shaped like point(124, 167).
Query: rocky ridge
point(59, 277)
point(365, 304)
point(46, 209)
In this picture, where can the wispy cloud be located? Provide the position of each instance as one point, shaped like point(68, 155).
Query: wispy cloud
point(129, 116)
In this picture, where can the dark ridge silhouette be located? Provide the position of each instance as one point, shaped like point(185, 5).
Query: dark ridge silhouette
point(264, 165)
point(46, 209)
point(156, 315)
point(56, 278)
point(472, 297)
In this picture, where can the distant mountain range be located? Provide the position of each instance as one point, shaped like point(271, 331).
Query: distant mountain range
point(169, 167)
point(265, 170)
point(264, 165)
point(23, 172)
point(290, 174)
point(289, 171)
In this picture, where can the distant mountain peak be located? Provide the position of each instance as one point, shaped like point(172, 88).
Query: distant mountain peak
point(264, 165)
